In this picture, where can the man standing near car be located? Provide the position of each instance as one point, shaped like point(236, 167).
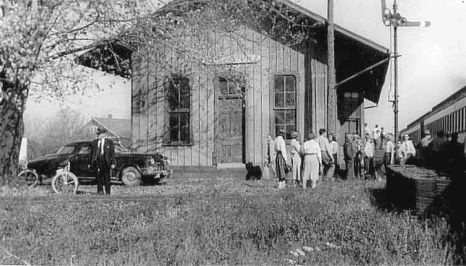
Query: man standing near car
point(102, 160)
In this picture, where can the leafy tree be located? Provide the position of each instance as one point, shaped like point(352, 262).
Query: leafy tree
point(40, 37)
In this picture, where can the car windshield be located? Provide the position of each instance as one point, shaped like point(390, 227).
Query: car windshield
point(65, 150)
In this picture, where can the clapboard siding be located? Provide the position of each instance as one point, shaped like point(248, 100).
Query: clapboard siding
point(273, 58)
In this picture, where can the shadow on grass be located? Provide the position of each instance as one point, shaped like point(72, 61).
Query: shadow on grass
point(449, 205)
point(381, 200)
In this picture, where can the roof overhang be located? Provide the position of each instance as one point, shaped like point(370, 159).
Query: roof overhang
point(354, 57)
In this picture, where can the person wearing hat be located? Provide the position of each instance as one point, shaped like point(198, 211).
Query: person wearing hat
point(295, 158)
point(281, 159)
point(102, 160)
point(389, 155)
point(423, 148)
point(408, 150)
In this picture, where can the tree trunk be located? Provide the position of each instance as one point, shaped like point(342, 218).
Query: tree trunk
point(11, 133)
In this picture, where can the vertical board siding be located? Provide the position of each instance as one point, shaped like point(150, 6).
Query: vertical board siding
point(135, 103)
point(264, 46)
point(255, 81)
point(143, 91)
point(274, 58)
point(320, 94)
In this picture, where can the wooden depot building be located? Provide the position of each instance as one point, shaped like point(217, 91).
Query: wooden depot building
point(213, 118)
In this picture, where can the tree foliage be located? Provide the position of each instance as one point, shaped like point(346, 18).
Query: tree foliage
point(42, 39)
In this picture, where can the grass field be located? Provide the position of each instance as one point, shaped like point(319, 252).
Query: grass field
point(220, 221)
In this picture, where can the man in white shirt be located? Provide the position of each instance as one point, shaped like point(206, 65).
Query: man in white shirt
point(376, 136)
point(327, 157)
point(334, 149)
point(408, 150)
point(367, 130)
point(102, 160)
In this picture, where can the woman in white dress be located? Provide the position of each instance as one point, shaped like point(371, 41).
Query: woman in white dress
point(312, 160)
point(295, 157)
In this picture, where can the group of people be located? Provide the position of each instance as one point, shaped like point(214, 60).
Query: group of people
point(359, 154)
point(307, 162)
point(443, 153)
point(317, 157)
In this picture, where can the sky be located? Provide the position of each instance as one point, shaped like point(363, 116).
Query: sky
point(431, 66)
point(432, 63)
point(113, 97)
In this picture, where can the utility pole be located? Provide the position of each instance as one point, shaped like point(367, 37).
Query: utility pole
point(396, 20)
point(395, 66)
point(332, 107)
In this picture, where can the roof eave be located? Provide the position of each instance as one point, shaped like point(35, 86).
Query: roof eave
point(338, 29)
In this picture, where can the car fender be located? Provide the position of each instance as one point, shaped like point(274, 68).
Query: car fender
point(120, 170)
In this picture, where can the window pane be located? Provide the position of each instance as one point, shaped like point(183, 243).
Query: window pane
point(289, 129)
point(185, 98)
point(223, 85)
point(290, 100)
point(279, 117)
point(290, 84)
point(290, 117)
point(232, 88)
point(184, 123)
point(279, 82)
point(278, 127)
point(279, 100)
point(174, 127)
point(173, 98)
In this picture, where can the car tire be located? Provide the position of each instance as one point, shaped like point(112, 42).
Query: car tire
point(130, 176)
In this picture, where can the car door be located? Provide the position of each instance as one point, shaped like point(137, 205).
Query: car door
point(80, 161)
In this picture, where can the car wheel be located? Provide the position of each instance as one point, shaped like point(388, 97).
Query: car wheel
point(130, 176)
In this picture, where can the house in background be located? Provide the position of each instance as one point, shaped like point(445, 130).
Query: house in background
point(117, 129)
point(209, 118)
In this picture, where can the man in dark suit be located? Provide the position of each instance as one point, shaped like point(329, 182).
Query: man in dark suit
point(102, 160)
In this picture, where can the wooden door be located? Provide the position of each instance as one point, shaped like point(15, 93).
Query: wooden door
point(230, 126)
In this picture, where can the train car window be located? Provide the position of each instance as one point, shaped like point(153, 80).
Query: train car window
point(450, 119)
point(444, 124)
point(447, 128)
point(463, 118)
point(457, 119)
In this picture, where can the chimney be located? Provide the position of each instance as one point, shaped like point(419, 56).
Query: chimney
point(110, 116)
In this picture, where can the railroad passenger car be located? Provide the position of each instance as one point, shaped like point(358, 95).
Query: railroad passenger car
point(449, 116)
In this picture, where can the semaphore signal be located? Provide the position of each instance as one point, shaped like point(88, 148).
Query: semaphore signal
point(391, 18)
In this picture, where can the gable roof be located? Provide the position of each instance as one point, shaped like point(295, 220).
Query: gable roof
point(361, 63)
point(115, 126)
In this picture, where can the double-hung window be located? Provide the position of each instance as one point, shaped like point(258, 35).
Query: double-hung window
point(178, 93)
point(284, 107)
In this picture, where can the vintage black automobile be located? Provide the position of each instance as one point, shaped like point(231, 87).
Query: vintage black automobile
point(130, 168)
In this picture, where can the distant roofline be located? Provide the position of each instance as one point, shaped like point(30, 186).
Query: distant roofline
point(103, 125)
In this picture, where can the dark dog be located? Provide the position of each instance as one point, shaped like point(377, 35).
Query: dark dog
point(254, 172)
